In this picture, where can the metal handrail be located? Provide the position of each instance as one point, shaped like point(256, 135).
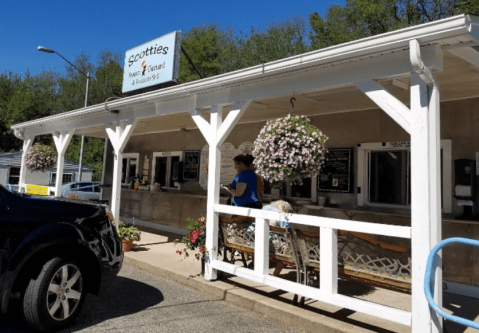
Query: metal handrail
point(430, 270)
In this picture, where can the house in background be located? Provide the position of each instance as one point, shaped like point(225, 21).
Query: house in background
point(10, 172)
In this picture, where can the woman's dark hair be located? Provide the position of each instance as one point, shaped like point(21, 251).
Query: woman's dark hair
point(249, 159)
point(240, 159)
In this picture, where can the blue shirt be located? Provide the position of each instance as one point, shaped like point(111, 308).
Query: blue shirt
point(249, 195)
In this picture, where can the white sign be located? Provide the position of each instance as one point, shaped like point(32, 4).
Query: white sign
point(152, 63)
point(227, 169)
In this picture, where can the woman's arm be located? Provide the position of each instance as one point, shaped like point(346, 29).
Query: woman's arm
point(240, 188)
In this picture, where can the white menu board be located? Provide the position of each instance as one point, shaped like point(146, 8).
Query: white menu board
point(227, 170)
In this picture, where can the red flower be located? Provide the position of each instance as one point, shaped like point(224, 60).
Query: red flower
point(202, 250)
point(178, 251)
point(199, 231)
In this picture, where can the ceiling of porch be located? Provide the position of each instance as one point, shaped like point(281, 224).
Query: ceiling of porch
point(457, 81)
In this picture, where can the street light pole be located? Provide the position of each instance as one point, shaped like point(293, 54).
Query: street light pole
point(87, 75)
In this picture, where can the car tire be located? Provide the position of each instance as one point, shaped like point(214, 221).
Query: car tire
point(53, 297)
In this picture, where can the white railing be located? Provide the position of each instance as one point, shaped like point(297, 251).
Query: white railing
point(327, 292)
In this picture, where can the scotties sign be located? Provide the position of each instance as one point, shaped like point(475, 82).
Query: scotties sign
point(152, 63)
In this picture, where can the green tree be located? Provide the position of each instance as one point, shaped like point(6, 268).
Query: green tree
point(363, 18)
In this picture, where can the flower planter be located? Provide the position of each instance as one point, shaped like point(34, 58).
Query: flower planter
point(127, 244)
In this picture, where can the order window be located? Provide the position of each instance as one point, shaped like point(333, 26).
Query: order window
point(166, 169)
point(384, 174)
point(129, 167)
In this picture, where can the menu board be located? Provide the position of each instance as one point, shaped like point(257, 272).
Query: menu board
point(191, 168)
point(336, 173)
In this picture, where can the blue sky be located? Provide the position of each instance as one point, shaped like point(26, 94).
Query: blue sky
point(70, 27)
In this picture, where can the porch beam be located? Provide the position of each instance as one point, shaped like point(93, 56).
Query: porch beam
point(425, 190)
point(62, 140)
point(200, 121)
point(119, 132)
point(231, 120)
point(387, 102)
point(213, 197)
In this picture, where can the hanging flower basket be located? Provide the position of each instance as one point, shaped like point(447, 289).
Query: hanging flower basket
point(40, 157)
point(289, 149)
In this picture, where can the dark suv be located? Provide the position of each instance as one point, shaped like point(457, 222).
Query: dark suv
point(53, 252)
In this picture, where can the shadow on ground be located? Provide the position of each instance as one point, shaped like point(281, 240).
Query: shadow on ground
point(461, 306)
point(121, 299)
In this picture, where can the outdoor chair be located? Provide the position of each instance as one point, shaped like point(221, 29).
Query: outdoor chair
point(361, 258)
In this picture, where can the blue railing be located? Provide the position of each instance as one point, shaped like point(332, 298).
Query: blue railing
point(430, 272)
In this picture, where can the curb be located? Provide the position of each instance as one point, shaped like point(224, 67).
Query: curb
point(285, 315)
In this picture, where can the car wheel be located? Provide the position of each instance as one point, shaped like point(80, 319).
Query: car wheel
point(54, 297)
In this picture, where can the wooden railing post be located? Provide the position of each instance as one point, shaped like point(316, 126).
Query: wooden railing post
point(328, 240)
point(261, 247)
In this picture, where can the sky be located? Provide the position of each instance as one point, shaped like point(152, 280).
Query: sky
point(70, 27)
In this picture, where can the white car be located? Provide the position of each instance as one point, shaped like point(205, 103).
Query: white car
point(82, 190)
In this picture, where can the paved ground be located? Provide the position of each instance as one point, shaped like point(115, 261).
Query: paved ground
point(139, 302)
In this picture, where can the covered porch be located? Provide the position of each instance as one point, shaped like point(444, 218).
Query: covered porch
point(409, 74)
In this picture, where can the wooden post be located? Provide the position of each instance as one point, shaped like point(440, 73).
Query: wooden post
point(62, 140)
point(119, 133)
point(328, 240)
point(261, 247)
point(425, 203)
point(212, 220)
point(27, 143)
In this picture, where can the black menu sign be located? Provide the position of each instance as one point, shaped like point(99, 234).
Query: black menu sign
point(191, 168)
point(336, 173)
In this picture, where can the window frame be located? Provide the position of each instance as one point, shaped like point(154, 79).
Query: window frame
point(364, 150)
point(129, 156)
point(167, 154)
point(9, 174)
point(63, 175)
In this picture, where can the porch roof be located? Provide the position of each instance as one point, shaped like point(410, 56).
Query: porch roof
point(322, 81)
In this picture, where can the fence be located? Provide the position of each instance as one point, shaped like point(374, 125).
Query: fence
point(328, 289)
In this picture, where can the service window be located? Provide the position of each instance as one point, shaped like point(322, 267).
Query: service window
point(389, 181)
point(384, 174)
point(129, 167)
point(166, 169)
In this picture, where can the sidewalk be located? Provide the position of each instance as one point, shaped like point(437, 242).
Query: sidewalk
point(156, 254)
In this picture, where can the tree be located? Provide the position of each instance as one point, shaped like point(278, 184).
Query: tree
point(363, 18)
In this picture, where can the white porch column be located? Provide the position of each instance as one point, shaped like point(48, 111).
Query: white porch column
point(62, 140)
point(214, 159)
point(119, 133)
point(215, 133)
point(425, 190)
point(27, 143)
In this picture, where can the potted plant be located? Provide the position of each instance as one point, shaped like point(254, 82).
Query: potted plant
point(195, 239)
point(289, 149)
point(128, 235)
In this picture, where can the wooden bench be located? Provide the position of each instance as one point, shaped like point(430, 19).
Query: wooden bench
point(238, 235)
point(361, 258)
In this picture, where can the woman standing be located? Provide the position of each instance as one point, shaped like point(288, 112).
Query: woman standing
point(244, 186)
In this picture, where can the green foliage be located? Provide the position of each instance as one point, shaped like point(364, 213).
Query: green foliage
point(363, 18)
point(128, 232)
